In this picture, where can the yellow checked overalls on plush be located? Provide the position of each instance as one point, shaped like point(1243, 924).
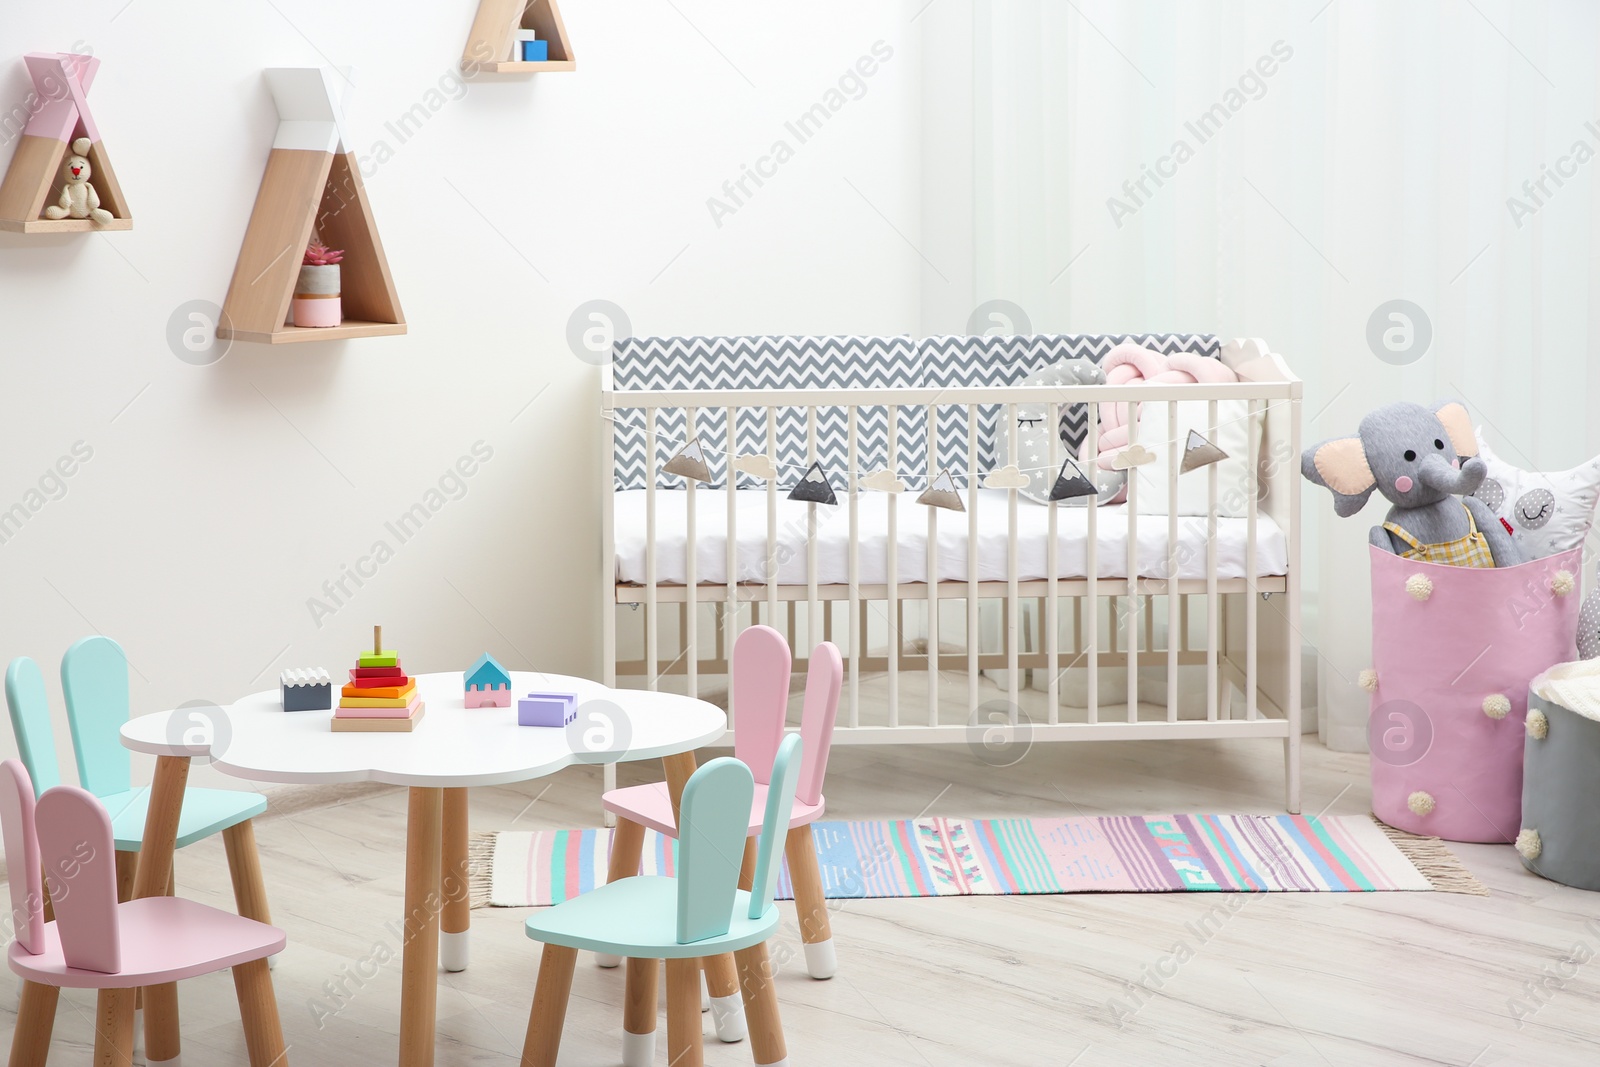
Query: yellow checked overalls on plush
point(1469, 551)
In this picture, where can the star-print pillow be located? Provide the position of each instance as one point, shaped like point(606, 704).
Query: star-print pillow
point(1032, 437)
point(1545, 511)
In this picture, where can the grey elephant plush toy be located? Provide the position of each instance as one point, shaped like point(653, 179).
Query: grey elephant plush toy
point(1413, 456)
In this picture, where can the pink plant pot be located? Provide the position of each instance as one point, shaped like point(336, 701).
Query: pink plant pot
point(318, 311)
point(316, 296)
point(1454, 649)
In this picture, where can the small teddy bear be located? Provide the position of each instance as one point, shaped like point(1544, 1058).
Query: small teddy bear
point(78, 198)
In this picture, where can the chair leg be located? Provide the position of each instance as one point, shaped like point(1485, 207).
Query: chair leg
point(162, 1042)
point(747, 866)
point(549, 1012)
point(113, 1028)
point(727, 1010)
point(36, 1019)
point(127, 864)
point(816, 933)
point(685, 1046)
point(627, 850)
point(258, 1007)
point(639, 1013)
point(455, 921)
point(761, 1005)
point(244, 866)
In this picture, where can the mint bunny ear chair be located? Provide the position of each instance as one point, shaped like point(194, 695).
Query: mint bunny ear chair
point(701, 912)
point(1421, 461)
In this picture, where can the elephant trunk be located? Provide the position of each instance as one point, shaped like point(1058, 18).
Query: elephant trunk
point(1437, 474)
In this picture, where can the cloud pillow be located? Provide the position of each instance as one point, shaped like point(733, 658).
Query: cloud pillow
point(1546, 511)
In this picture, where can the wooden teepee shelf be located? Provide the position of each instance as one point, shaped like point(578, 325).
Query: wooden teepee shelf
point(491, 44)
point(312, 185)
point(33, 180)
point(62, 225)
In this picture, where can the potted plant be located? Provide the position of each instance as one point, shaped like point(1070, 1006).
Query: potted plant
point(316, 294)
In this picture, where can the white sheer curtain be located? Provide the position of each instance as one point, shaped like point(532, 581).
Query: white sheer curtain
point(1356, 152)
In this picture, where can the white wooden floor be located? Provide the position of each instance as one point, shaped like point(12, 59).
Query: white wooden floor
point(1286, 980)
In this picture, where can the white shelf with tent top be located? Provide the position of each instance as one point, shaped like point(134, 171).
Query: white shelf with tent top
point(312, 185)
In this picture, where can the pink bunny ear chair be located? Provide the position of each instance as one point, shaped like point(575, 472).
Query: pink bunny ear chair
point(64, 843)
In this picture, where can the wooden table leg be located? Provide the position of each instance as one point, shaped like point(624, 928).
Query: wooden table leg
point(419, 982)
point(638, 1013)
point(36, 1020)
point(456, 921)
point(684, 1045)
point(816, 933)
point(153, 878)
point(113, 1028)
point(761, 1005)
point(549, 1012)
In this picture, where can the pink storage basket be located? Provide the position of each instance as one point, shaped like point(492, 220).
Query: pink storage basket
point(1454, 649)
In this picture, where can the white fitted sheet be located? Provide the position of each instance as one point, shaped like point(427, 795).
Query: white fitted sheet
point(833, 540)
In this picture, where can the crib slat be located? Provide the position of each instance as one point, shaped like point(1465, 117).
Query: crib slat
point(973, 637)
point(730, 615)
point(813, 629)
point(857, 632)
point(1213, 608)
point(608, 562)
point(933, 575)
point(651, 661)
point(1251, 598)
point(772, 520)
point(1012, 606)
point(1052, 606)
point(1172, 560)
point(689, 622)
point(1091, 565)
point(892, 561)
point(1291, 748)
point(1133, 568)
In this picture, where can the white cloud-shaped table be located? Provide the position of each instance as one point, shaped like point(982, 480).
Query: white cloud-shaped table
point(451, 749)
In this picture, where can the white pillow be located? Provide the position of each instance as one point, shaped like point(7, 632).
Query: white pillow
point(1233, 473)
point(1547, 512)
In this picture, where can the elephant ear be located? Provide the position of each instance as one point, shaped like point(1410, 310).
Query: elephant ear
point(1458, 424)
point(1341, 465)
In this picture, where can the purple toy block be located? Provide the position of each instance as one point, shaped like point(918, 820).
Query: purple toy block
point(547, 709)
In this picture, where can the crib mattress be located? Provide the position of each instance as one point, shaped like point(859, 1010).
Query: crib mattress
point(833, 540)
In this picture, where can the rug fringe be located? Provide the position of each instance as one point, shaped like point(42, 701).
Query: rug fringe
point(1433, 858)
point(480, 867)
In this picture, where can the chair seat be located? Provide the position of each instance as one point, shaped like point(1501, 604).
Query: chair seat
point(164, 939)
point(205, 812)
point(650, 805)
point(638, 917)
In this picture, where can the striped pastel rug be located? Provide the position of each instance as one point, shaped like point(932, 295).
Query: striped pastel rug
point(997, 857)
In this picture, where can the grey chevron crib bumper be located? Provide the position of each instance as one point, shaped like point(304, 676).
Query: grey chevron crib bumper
point(803, 362)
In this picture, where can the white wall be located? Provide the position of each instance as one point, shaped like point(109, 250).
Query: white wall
point(219, 499)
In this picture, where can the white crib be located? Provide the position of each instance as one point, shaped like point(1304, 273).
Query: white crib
point(1052, 593)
